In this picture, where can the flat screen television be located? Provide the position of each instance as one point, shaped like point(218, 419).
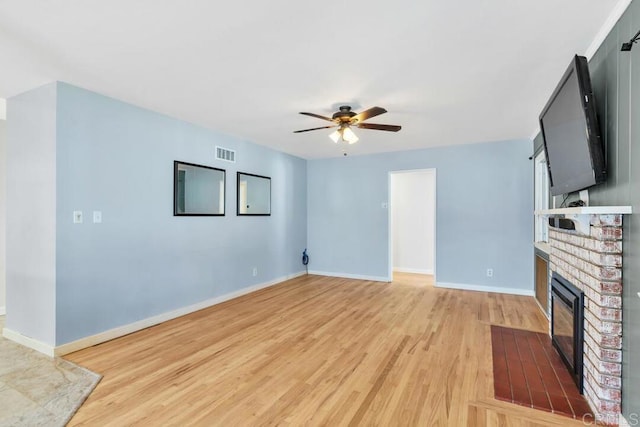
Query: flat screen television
point(572, 140)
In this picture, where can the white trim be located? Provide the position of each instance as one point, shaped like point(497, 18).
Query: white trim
point(413, 270)
point(389, 227)
point(160, 318)
point(350, 276)
point(28, 342)
point(542, 308)
point(612, 20)
point(3, 310)
point(622, 421)
point(434, 172)
point(482, 288)
point(3, 109)
point(435, 222)
point(543, 246)
point(541, 196)
point(401, 171)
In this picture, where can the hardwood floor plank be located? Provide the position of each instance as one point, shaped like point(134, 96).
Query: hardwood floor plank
point(316, 351)
point(377, 385)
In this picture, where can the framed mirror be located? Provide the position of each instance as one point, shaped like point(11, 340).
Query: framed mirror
point(198, 190)
point(253, 195)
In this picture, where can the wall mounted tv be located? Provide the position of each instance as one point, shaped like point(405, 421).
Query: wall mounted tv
point(571, 135)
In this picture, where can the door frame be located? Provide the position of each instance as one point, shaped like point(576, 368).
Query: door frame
point(434, 172)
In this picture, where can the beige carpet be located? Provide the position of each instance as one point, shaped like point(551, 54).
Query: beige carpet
point(36, 390)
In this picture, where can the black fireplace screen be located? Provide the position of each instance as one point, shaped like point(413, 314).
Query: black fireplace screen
point(567, 324)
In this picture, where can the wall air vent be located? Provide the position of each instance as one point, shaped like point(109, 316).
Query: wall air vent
point(225, 154)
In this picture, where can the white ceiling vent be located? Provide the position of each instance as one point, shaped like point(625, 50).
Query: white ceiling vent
point(225, 154)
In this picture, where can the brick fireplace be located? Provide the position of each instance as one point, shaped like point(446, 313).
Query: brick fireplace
point(591, 259)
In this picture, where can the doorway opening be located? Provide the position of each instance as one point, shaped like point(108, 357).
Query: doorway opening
point(412, 223)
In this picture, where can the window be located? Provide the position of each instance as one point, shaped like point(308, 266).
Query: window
point(541, 192)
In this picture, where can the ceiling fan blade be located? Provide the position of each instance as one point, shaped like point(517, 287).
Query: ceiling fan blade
point(318, 116)
point(374, 126)
point(367, 114)
point(307, 130)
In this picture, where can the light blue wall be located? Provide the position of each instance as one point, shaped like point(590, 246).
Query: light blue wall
point(31, 214)
point(142, 261)
point(484, 213)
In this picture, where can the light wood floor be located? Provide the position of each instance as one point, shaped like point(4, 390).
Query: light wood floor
point(317, 351)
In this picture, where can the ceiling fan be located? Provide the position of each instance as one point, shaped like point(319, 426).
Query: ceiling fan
point(345, 118)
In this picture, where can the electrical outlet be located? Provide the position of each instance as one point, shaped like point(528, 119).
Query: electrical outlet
point(489, 272)
point(255, 271)
point(77, 217)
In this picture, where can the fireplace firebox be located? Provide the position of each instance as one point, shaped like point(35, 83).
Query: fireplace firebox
point(567, 325)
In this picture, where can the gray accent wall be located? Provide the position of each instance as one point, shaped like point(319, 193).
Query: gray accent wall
point(31, 214)
point(484, 205)
point(538, 144)
point(141, 261)
point(615, 77)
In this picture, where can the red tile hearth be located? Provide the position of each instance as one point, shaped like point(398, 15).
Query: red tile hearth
point(528, 371)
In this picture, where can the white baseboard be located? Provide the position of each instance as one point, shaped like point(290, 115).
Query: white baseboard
point(3, 310)
point(350, 276)
point(482, 288)
point(154, 320)
point(413, 270)
point(28, 342)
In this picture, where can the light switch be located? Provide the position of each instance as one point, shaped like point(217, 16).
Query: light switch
point(97, 217)
point(385, 205)
point(77, 217)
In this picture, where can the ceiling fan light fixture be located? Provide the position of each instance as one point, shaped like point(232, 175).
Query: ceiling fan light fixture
point(335, 136)
point(345, 118)
point(349, 136)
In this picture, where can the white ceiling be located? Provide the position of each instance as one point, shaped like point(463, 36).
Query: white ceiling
point(448, 72)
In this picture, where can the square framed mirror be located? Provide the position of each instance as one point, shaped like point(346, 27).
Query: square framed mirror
point(198, 190)
point(253, 195)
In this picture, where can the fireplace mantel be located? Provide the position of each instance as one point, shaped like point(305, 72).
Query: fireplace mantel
point(581, 215)
point(587, 210)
